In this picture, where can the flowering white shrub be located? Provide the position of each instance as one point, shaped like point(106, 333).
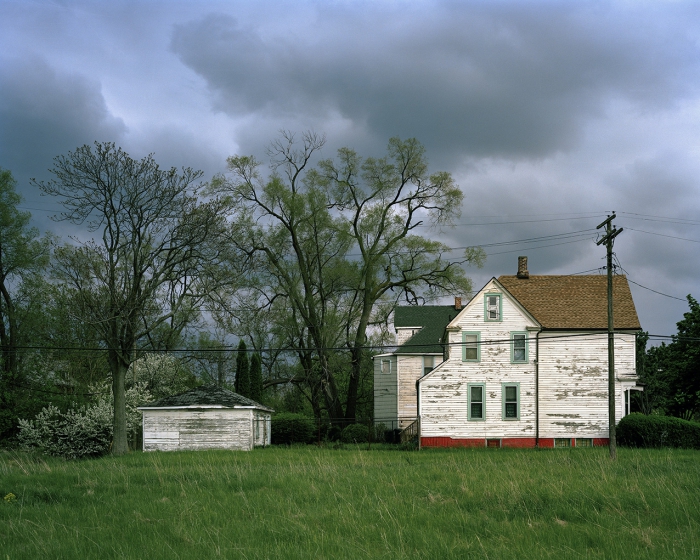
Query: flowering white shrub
point(164, 375)
point(82, 432)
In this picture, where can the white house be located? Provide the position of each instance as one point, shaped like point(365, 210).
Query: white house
point(526, 364)
point(420, 348)
point(206, 417)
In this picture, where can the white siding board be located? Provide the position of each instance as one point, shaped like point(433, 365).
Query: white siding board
point(385, 391)
point(574, 382)
point(170, 430)
point(444, 399)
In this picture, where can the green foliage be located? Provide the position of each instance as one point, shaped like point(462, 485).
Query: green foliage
point(162, 374)
point(242, 370)
point(256, 379)
point(81, 432)
point(356, 433)
point(334, 246)
point(671, 372)
point(154, 259)
point(290, 428)
point(23, 259)
point(639, 430)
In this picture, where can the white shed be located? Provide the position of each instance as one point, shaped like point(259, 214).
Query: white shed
point(206, 417)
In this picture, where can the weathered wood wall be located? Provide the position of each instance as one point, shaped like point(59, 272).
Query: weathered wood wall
point(385, 391)
point(444, 399)
point(572, 389)
point(191, 429)
point(574, 382)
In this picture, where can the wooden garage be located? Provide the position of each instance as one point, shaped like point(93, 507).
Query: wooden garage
point(206, 417)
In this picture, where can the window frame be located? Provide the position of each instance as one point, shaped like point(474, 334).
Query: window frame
point(381, 368)
point(486, 307)
point(483, 402)
point(478, 346)
point(504, 402)
point(432, 367)
point(513, 334)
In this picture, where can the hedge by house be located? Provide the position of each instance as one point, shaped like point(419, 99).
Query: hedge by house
point(288, 427)
point(639, 430)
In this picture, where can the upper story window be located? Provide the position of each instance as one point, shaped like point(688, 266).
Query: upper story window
point(428, 364)
point(492, 307)
point(518, 347)
point(470, 347)
point(386, 366)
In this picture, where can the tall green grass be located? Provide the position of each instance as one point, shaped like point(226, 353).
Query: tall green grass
point(308, 502)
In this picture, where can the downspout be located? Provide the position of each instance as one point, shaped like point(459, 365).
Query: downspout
point(418, 410)
point(537, 388)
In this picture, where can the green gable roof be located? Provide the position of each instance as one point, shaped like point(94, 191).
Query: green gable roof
point(432, 319)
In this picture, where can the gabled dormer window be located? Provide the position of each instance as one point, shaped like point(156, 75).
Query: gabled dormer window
point(492, 307)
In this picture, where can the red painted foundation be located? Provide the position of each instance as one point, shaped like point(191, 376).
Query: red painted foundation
point(504, 442)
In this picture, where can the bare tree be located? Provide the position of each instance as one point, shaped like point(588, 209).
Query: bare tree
point(148, 266)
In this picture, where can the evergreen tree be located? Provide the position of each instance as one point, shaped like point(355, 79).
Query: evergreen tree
point(242, 371)
point(256, 380)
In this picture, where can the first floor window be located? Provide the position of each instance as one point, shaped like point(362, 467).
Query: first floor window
point(476, 402)
point(511, 404)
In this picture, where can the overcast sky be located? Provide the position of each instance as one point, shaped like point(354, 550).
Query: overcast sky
point(548, 114)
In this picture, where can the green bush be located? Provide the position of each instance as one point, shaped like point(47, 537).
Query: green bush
point(639, 430)
point(288, 427)
point(356, 433)
point(81, 432)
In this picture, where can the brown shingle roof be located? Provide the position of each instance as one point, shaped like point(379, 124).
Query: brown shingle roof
point(574, 302)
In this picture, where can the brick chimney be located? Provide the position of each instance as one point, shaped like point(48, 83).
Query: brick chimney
point(522, 268)
point(458, 303)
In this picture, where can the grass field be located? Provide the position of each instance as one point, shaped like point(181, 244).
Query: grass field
point(308, 502)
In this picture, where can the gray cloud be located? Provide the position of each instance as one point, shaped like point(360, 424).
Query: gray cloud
point(44, 113)
point(541, 110)
point(475, 79)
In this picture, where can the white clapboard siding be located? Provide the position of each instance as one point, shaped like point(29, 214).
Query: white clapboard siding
point(385, 390)
point(410, 369)
point(191, 429)
point(444, 401)
point(573, 379)
point(574, 382)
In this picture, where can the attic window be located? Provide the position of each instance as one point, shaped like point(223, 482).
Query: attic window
point(492, 307)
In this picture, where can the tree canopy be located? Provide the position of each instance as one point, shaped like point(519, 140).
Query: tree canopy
point(148, 269)
point(330, 244)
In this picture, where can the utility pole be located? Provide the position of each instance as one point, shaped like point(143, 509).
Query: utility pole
point(610, 233)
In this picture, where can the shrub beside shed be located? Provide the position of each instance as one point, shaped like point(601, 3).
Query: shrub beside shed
point(206, 417)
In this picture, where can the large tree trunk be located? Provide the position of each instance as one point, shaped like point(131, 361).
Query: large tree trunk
point(8, 338)
point(356, 355)
point(120, 442)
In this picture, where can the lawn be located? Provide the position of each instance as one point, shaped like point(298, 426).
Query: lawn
point(310, 502)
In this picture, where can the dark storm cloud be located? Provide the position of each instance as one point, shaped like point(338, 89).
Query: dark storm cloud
point(498, 79)
point(44, 113)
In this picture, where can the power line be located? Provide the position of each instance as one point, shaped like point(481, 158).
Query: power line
point(653, 218)
point(655, 291)
point(664, 235)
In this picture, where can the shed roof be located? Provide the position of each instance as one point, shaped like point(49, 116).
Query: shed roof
point(432, 319)
point(574, 302)
point(206, 395)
